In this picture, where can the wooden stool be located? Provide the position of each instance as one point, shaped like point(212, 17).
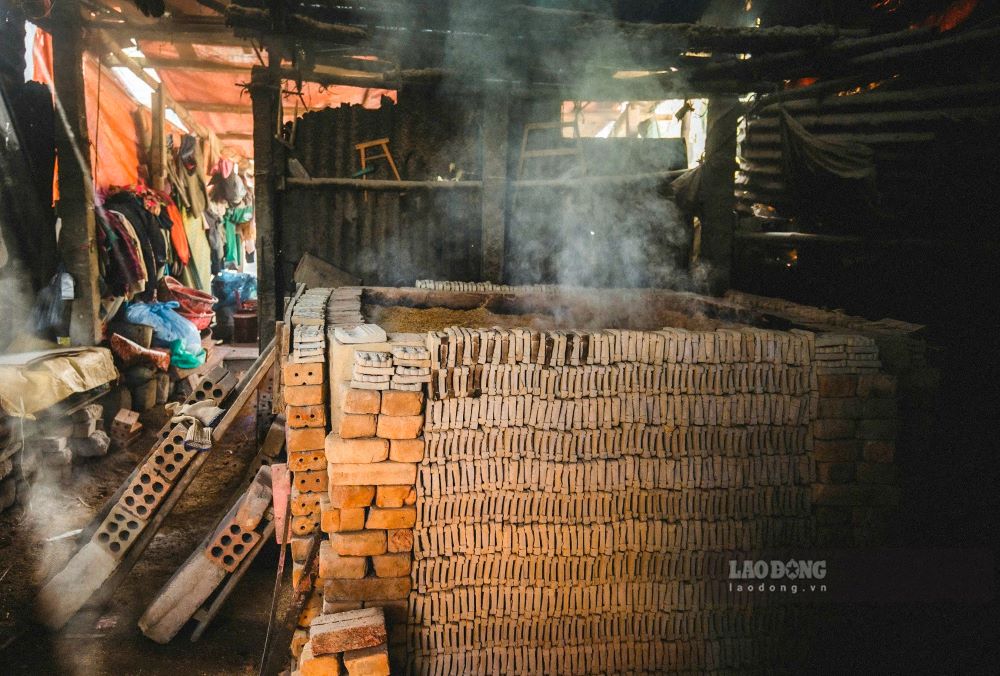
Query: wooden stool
point(362, 148)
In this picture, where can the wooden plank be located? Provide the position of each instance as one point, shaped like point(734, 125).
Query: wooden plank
point(381, 184)
point(265, 96)
point(78, 239)
point(158, 149)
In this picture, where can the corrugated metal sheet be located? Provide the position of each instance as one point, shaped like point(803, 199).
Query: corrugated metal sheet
point(390, 238)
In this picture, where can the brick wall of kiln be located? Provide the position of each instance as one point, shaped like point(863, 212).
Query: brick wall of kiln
point(577, 495)
point(580, 492)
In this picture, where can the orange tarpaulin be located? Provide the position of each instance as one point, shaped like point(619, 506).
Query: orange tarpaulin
point(114, 141)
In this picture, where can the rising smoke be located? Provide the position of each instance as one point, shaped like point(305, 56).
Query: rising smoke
point(600, 235)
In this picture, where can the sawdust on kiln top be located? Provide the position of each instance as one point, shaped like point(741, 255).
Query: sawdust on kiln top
point(397, 319)
point(400, 319)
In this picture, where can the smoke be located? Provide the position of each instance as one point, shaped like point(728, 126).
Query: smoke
point(589, 234)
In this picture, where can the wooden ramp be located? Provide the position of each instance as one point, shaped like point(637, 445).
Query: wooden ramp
point(128, 521)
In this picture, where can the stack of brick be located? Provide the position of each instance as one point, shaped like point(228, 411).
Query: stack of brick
point(372, 457)
point(613, 471)
point(352, 642)
point(88, 438)
point(485, 287)
point(304, 392)
point(855, 430)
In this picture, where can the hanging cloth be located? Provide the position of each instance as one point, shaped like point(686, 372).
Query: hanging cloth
point(200, 266)
point(826, 178)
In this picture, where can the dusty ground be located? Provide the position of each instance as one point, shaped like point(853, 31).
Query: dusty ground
point(108, 641)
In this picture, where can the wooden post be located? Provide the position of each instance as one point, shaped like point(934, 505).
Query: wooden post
point(158, 151)
point(77, 239)
point(717, 190)
point(496, 116)
point(265, 87)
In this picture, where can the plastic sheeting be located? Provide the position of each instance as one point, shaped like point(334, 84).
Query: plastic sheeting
point(34, 381)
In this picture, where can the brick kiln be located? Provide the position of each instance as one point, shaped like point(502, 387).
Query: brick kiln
point(552, 480)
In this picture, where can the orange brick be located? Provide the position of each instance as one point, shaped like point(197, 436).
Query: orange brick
point(357, 426)
point(304, 525)
point(406, 450)
point(352, 518)
point(302, 461)
point(385, 517)
point(318, 665)
point(310, 482)
point(332, 565)
point(351, 496)
point(392, 565)
point(340, 450)
point(329, 517)
point(305, 439)
point(367, 589)
point(305, 503)
point(376, 473)
point(305, 416)
point(303, 374)
point(393, 496)
point(300, 548)
point(399, 403)
point(299, 639)
point(372, 661)
point(305, 395)
point(361, 401)
point(312, 608)
point(358, 543)
point(400, 427)
point(400, 540)
point(837, 385)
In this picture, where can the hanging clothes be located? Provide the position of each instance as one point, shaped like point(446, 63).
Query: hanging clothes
point(178, 235)
point(215, 230)
point(122, 269)
point(200, 266)
point(233, 219)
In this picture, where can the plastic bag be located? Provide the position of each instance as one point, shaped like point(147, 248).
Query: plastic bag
point(229, 286)
point(168, 326)
point(183, 359)
point(51, 314)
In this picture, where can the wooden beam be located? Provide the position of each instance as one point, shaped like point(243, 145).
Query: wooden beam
point(265, 94)
point(111, 46)
point(198, 33)
point(236, 136)
point(208, 107)
point(716, 190)
point(158, 149)
point(192, 65)
point(237, 108)
point(299, 25)
point(78, 237)
point(381, 184)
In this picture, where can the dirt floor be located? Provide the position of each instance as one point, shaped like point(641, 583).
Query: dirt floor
point(108, 641)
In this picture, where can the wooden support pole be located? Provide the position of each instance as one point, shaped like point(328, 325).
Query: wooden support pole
point(77, 238)
point(265, 95)
point(717, 197)
point(158, 151)
point(496, 124)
